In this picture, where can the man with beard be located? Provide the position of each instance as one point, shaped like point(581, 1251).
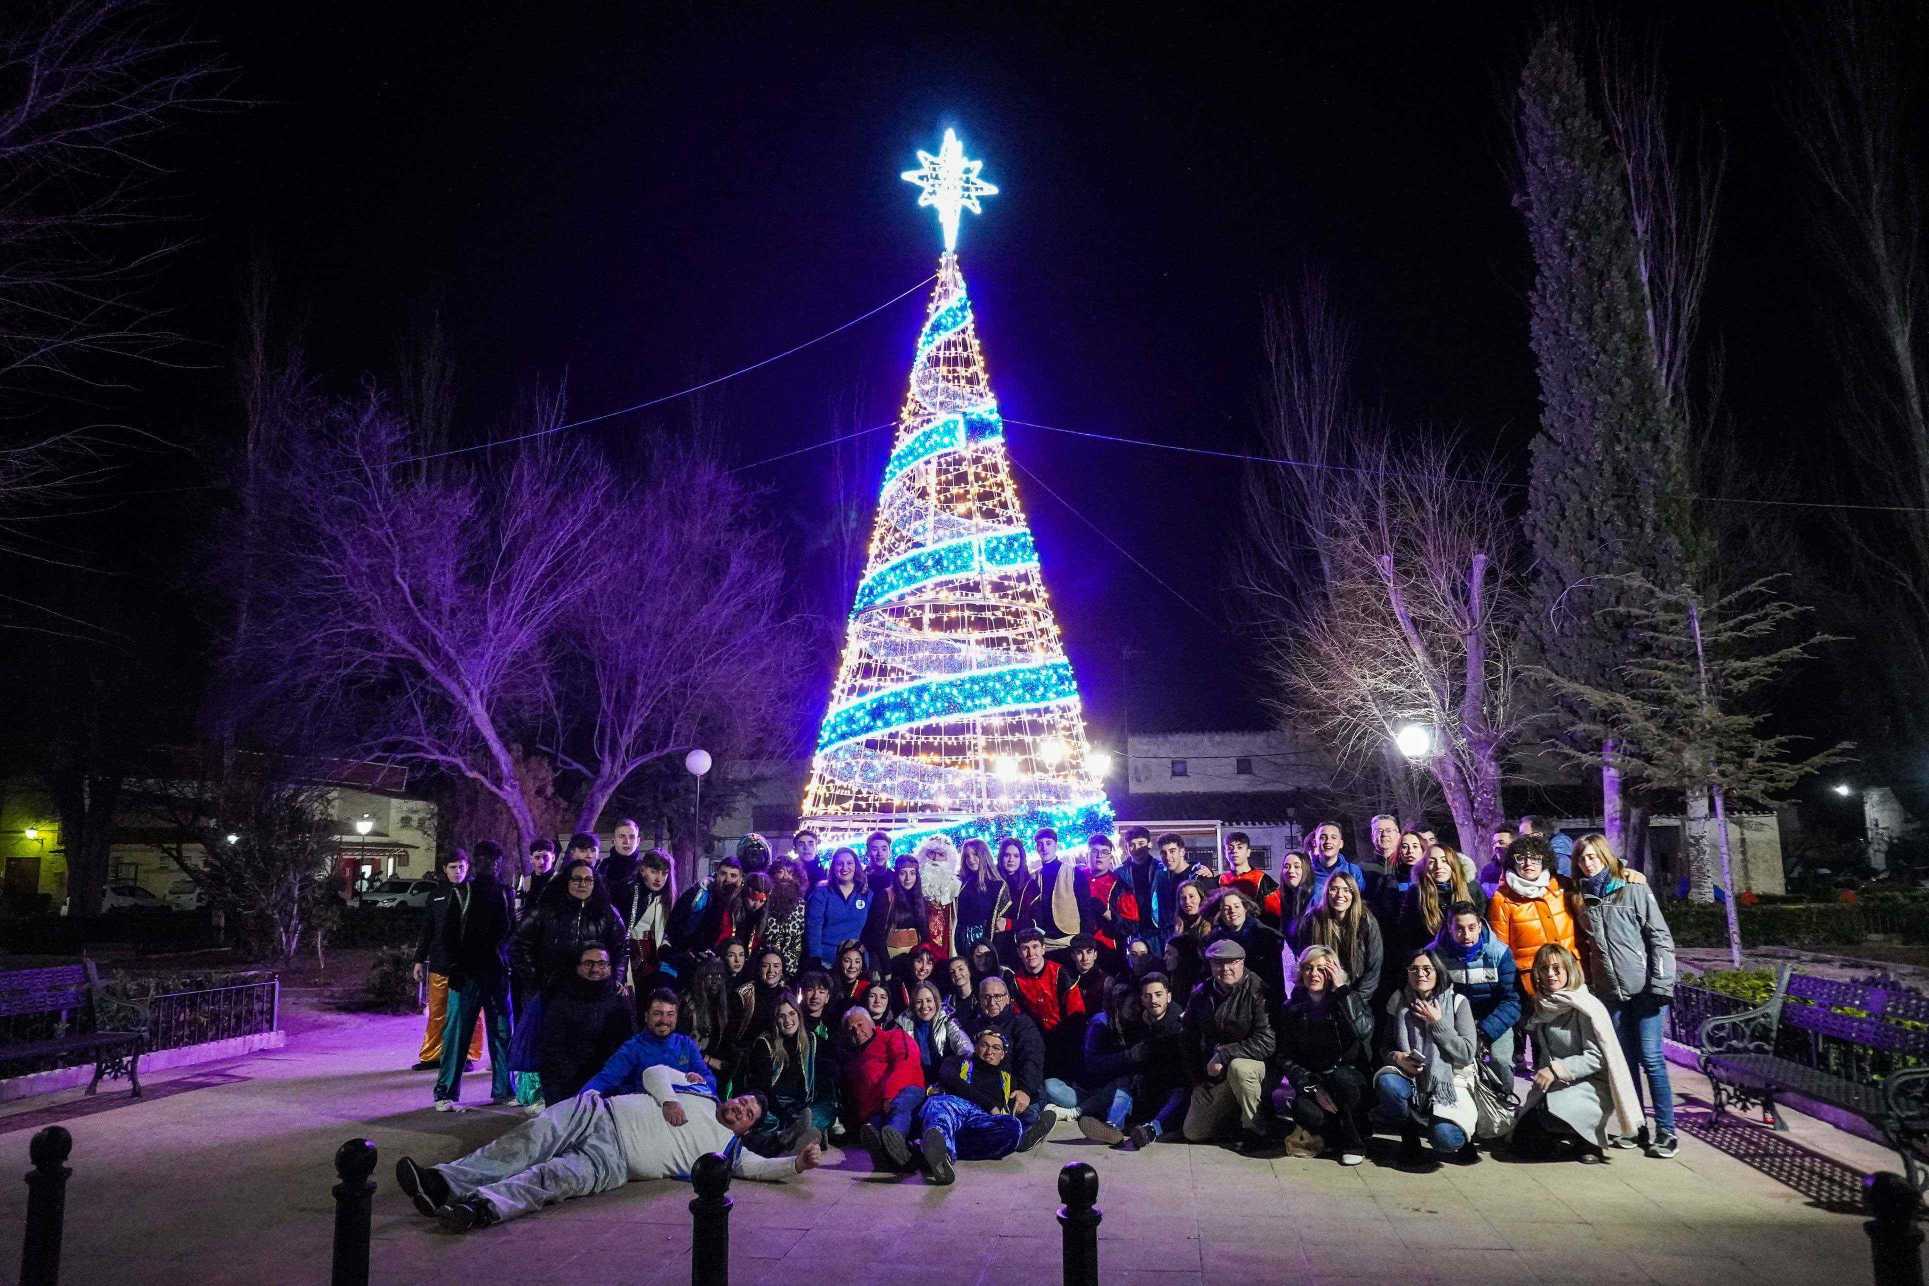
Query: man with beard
point(1024, 1045)
point(703, 917)
point(658, 1044)
point(585, 1021)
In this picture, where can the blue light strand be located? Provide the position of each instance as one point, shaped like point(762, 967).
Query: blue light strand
point(1007, 551)
point(1075, 822)
point(983, 692)
point(979, 424)
point(951, 318)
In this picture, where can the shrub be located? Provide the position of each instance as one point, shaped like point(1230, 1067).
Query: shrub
point(391, 986)
point(1753, 986)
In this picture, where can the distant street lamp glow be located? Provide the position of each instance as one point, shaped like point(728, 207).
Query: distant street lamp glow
point(1414, 740)
point(1841, 788)
point(363, 825)
point(236, 839)
point(1099, 763)
point(32, 832)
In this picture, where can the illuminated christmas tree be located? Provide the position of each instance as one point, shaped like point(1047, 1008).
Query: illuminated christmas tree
point(955, 710)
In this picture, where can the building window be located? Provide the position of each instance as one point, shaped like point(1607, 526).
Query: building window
point(1178, 767)
point(1242, 767)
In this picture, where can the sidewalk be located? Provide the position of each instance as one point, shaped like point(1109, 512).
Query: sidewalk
point(222, 1175)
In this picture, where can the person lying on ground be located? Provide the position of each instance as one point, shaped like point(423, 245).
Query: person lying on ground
point(591, 1144)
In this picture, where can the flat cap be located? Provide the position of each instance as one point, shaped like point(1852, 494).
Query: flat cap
point(1225, 949)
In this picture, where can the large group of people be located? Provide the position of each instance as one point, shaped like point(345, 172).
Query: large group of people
point(954, 1004)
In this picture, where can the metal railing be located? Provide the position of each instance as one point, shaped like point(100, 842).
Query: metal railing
point(1694, 1006)
point(219, 1013)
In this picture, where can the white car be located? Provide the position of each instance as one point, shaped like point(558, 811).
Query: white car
point(394, 893)
point(130, 897)
point(186, 895)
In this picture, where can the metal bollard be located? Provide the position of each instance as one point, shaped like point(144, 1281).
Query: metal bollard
point(354, 1204)
point(1895, 1243)
point(710, 1222)
point(1080, 1218)
point(46, 1206)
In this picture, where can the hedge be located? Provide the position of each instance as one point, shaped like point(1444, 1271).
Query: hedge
point(1802, 924)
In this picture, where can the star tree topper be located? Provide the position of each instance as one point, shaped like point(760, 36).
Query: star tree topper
point(951, 183)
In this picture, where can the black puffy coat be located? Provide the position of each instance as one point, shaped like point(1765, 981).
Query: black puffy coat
point(583, 1024)
point(551, 938)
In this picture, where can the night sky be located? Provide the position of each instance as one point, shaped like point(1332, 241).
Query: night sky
point(640, 197)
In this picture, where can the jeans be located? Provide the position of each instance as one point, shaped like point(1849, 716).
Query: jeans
point(1111, 1101)
point(1640, 1021)
point(970, 1133)
point(1060, 1093)
point(1396, 1106)
point(1339, 1129)
point(466, 1000)
point(571, 1150)
point(897, 1114)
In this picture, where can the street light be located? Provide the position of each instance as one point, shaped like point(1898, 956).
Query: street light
point(233, 838)
point(32, 832)
point(1843, 789)
point(1414, 740)
point(1099, 763)
point(697, 763)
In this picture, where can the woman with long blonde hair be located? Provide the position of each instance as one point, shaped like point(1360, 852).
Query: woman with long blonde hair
point(1341, 921)
point(1581, 1095)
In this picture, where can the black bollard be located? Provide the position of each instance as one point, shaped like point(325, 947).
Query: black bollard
point(1895, 1242)
point(46, 1206)
point(354, 1204)
point(1080, 1217)
point(710, 1222)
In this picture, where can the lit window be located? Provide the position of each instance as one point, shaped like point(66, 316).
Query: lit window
point(1178, 767)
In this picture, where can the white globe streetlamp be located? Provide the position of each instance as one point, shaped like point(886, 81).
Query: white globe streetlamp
point(697, 763)
point(1414, 740)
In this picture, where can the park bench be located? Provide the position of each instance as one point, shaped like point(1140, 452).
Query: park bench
point(49, 1017)
point(1859, 1047)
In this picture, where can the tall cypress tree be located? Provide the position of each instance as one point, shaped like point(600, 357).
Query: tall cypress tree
point(1610, 463)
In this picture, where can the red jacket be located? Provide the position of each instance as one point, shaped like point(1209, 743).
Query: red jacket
point(875, 1074)
point(1048, 996)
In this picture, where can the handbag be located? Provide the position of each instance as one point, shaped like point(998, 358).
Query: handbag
point(1494, 1100)
point(901, 940)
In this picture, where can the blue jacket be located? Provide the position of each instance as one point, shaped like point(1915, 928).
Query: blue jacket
point(831, 918)
point(623, 1074)
point(1342, 865)
point(1486, 975)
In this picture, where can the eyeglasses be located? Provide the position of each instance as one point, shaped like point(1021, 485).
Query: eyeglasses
point(997, 995)
point(595, 966)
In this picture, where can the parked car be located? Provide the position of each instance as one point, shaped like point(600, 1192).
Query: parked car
point(130, 897)
point(394, 893)
point(186, 895)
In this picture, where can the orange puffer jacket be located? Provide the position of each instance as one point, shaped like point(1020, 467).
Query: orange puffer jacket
point(1527, 925)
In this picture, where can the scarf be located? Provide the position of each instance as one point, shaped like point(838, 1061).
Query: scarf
point(1529, 890)
point(1625, 1111)
point(1437, 1081)
point(927, 1038)
point(1600, 884)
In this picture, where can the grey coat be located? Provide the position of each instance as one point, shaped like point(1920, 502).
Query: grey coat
point(1582, 1097)
point(1626, 948)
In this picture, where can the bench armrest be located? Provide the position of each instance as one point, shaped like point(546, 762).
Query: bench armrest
point(1752, 1031)
point(1905, 1100)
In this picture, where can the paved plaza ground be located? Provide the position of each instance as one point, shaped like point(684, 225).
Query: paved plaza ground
point(222, 1175)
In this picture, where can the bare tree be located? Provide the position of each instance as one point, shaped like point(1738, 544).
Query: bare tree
point(85, 86)
point(1384, 576)
point(1860, 67)
point(510, 625)
point(683, 637)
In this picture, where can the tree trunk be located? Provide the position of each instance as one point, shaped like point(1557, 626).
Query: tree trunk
point(1613, 823)
point(1728, 879)
point(1694, 847)
point(1639, 852)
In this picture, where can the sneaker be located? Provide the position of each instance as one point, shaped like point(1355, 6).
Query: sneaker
point(1665, 1145)
point(1591, 1156)
point(937, 1159)
point(1100, 1130)
point(469, 1213)
point(871, 1141)
point(1142, 1137)
point(534, 1109)
point(895, 1147)
point(448, 1105)
point(424, 1186)
point(1035, 1132)
point(1632, 1142)
point(1352, 1158)
point(502, 1100)
point(426, 1065)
